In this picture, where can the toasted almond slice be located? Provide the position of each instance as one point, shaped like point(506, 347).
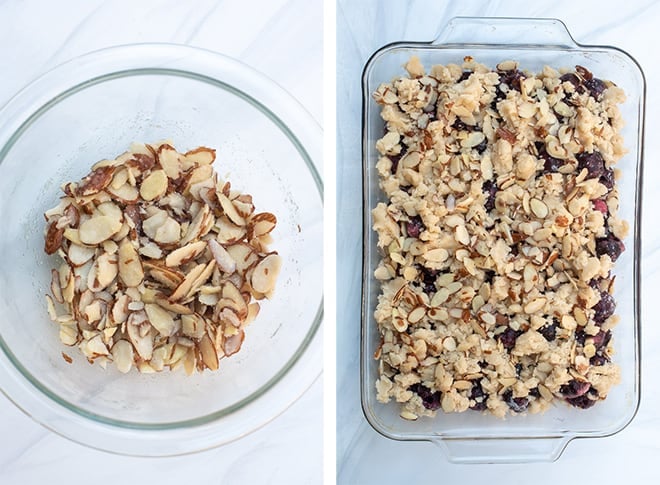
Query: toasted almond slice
point(185, 286)
point(189, 362)
point(199, 174)
point(151, 250)
point(261, 224)
point(243, 207)
point(173, 307)
point(253, 311)
point(185, 254)
point(201, 156)
point(130, 266)
point(228, 232)
point(166, 276)
point(232, 344)
point(192, 326)
point(97, 229)
point(140, 334)
point(209, 355)
point(122, 353)
point(55, 287)
point(160, 319)
point(228, 316)
point(51, 308)
point(243, 255)
point(416, 314)
point(73, 235)
point(125, 193)
point(120, 309)
point(169, 159)
point(230, 210)
point(96, 181)
point(194, 230)
point(201, 279)
point(106, 270)
point(265, 274)
point(232, 297)
point(53, 238)
point(69, 334)
point(222, 257)
point(154, 185)
point(120, 178)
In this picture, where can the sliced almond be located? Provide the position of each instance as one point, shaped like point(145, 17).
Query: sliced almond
point(55, 287)
point(185, 254)
point(243, 256)
point(166, 276)
point(122, 353)
point(125, 193)
point(222, 257)
point(106, 270)
point(201, 156)
point(53, 238)
point(209, 355)
point(261, 224)
point(185, 286)
point(154, 185)
point(196, 227)
point(140, 334)
point(169, 159)
point(230, 210)
point(130, 266)
point(232, 298)
point(227, 231)
point(97, 229)
point(253, 311)
point(233, 344)
point(265, 273)
point(192, 326)
point(161, 319)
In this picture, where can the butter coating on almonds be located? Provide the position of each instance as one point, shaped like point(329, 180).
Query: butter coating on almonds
point(498, 237)
point(163, 263)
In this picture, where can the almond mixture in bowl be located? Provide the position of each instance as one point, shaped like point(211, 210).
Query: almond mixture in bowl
point(162, 260)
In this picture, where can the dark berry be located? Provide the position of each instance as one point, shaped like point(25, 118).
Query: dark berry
point(593, 162)
point(465, 75)
point(396, 158)
point(550, 164)
point(478, 395)
point(597, 360)
point(607, 179)
point(489, 275)
point(516, 404)
point(415, 226)
point(430, 399)
point(601, 339)
point(535, 392)
point(512, 79)
point(571, 78)
point(610, 245)
point(595, 87)
point(460, 125)
point(580, 336)
point(582, 402)
point(604, 309)
point(519, 368)
point(549, 331)
point(508, 338)
point(481, 147)
point(490, 188)
point(428, 277)
point(574, 389)
point(601, 206)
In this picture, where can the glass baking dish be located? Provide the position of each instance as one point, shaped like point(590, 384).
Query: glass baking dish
point(472, 437)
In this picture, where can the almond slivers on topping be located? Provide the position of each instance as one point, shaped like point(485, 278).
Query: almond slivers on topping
point(163, 262)
point(498, 237)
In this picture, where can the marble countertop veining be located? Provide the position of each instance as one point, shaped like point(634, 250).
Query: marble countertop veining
point(364, 456)
point(38, 35)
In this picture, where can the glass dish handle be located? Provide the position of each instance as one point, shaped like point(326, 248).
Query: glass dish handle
point(502, 450)
point(505, 31)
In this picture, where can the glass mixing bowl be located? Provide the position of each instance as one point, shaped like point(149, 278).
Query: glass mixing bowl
point(267, 145)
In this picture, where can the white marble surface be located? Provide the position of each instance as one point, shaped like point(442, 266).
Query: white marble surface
point(363, 456)
point(281, 38)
